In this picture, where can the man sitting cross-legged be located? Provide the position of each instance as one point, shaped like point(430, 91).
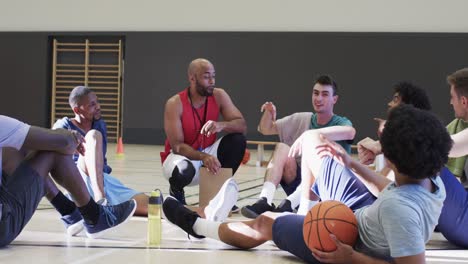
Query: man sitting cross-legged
point(286, 170)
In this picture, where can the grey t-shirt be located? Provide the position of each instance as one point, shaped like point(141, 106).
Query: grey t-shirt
point(400, 221)
point(292, 126)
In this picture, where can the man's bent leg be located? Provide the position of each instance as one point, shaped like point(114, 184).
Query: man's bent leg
point(453, 221)
point(287, 235)
point(92, 163)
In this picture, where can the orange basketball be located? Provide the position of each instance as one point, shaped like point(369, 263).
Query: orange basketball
point(246, 157)
point(329, 217)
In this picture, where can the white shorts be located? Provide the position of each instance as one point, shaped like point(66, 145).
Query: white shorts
point(173, 159)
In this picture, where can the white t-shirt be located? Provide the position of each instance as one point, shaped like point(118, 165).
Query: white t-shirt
point(12, 134)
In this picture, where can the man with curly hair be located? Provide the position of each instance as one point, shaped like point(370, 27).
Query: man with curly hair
point(406, 93)
point(392, 228)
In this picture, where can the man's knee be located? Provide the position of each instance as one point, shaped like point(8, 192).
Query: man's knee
point(93, 135)
point(235, 140)
point(182, 175)
point(12, 158)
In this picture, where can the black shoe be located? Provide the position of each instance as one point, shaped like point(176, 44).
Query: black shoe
point(235, 209)
point(178, 194)
point(285, 206)
point(256, 209)
point(180, 215)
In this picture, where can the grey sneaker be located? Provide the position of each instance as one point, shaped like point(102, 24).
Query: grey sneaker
point(110, 217)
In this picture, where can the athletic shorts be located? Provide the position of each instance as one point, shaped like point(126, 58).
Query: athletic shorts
point(20, 194)
point(292, 186)
point(116, 192)
point(453, 221)
point(335, 182)
point(173, 159)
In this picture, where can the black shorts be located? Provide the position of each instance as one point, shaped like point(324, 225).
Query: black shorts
point(292, 186)
point(20, 195)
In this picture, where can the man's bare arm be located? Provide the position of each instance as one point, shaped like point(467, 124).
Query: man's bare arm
point(233, 122)
point(59, 140)
point(267, 125)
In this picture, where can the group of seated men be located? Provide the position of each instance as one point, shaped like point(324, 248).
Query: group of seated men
point(397, 209)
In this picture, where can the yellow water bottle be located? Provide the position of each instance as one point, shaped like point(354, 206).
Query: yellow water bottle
point(154, 218)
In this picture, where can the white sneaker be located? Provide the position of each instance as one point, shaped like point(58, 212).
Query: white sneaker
point(220, 206)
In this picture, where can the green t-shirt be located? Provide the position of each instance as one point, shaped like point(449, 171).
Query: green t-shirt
point(336, 120)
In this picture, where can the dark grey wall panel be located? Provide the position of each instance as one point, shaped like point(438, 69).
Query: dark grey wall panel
point(24, 77)
point(256, 67)
point(252, 67)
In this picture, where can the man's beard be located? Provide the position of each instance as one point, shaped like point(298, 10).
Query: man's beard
point(201, 90)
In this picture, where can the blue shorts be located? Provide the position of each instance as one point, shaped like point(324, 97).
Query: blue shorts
point(116, 192)
point(334, 183)
point(453, 221)
point(20, 194)
point(292, 186)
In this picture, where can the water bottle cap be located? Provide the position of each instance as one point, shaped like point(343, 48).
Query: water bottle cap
point(156, 197)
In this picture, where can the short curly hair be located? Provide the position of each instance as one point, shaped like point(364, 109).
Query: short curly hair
point(415, 141)
point(413, 95)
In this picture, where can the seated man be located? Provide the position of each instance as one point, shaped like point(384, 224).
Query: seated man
point(403, 93)
point(453, 220)
point(93, 164)
point(25, 180)
point(286, 170)
point(191, 125)
point(393, 228)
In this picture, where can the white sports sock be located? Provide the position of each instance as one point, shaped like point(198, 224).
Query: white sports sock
point(305, 206)
point(268, 191)
point(295, 198)
point(207, 228)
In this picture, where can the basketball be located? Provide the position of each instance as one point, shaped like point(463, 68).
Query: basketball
point(329, 217)
point(246, 157)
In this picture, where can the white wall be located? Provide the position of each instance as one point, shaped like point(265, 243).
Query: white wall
point(235, 15)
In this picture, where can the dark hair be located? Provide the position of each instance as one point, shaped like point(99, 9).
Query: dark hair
point(415, 141)
point(327, 80)
point(77, 94)
point(413, 95)
point(459, 80)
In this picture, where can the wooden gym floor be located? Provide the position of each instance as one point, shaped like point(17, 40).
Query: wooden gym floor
point(44, 239)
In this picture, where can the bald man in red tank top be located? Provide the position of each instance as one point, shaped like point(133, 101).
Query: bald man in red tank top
point(191, 123)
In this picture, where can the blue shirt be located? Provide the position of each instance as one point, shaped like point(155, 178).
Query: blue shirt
point(98, 125)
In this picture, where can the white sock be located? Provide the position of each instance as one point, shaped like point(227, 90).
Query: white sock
point(305, 206)
point(268, 191)
point(206, 228)
point(295, 198)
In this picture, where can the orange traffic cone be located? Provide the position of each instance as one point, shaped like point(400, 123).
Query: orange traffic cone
point(120, 147)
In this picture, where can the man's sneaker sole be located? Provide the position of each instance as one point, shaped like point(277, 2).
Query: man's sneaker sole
point(101, 233)
point(76, 228)
point(227, 199)
point(248, 213)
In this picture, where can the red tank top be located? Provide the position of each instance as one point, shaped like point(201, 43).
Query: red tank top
point(192, 122)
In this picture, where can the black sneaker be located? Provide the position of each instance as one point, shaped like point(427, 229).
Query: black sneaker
point(178, 194)
point(284, 206)
point(256, 209)
point(180, 215)
point(235, 209)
